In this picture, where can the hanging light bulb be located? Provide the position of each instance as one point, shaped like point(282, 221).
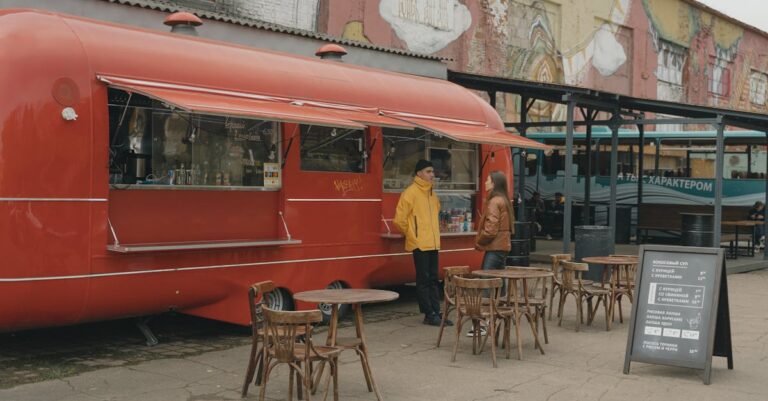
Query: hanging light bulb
point(272, 152)
point(493, 156)
point(333, 132)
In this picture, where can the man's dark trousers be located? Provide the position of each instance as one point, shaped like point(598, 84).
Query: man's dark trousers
point(427, 290)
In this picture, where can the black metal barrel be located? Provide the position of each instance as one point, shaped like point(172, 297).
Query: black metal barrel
point(521, 245)
point(698, 229)
point(593, 241)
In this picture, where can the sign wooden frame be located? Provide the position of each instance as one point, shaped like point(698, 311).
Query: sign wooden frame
point(718, 331)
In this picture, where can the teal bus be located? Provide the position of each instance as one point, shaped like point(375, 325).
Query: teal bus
point(678, 167)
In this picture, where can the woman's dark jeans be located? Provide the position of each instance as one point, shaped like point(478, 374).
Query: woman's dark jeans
point(496, 260)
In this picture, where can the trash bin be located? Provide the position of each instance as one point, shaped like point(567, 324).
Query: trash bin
point(521, 245)
point(623, 223)
point(593, 241)
point(698, 229)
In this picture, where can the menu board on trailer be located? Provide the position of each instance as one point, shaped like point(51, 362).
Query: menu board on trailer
point(680, 314)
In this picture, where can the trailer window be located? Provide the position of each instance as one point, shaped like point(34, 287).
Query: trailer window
point(455, 162)
point(153, 145)
point(333, 149)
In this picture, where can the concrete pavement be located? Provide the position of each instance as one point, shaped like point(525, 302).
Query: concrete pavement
point(408, 366)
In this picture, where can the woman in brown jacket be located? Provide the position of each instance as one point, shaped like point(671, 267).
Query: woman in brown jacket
point(495, 228)
point(497, 223)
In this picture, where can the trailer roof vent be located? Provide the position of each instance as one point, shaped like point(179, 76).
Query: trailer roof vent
point(183, 23)
point(331, 52)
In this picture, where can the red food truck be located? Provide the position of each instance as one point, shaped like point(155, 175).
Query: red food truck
point(143, 171)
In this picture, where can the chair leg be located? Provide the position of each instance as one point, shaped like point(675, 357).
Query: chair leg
point(291, 373)
point(562, 294)
point(493, 343)
point(250, 370)
point(459, 323)
point(621, 313)
point(544, 324)
point(579, 300)
point(442, 322)
point(264, 377)
point(607, 315)
point(551, 299)
point(560, 305)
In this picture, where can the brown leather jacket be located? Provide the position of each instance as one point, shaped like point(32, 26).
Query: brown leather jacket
point(494, 229)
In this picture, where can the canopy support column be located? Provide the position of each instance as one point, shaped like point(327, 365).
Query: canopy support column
point(568, 172)
point(765, 202)
point(719, 162)
point(523, 129)
point(589, 116)
point(615, 124)
point(640, 175)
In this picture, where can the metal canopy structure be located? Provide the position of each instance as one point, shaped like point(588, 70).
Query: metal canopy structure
point(624, 110)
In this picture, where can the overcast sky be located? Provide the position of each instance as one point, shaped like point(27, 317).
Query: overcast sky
point(752, 12)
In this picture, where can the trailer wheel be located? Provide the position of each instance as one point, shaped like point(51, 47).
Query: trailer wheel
point(280, 299)
point(326, 308)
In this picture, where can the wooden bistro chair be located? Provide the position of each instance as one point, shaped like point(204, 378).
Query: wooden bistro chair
point(574, 285)
point(556, 283)
point(473, 305)
point(283, 332)
point(449, 297)
point(257, 297)
point(535, 302)
point(622, 285)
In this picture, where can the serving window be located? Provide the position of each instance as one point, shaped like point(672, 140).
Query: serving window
point(455, 162)
point(333, 149)
point(152, 145)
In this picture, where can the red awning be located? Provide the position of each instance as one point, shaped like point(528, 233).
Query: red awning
point(207, 101)
point(474, 133)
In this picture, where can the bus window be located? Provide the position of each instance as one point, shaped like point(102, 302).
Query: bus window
point(455, 162)
point(152, 144)
point(332, 149)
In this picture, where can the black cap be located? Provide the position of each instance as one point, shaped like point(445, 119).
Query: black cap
point(422, 164)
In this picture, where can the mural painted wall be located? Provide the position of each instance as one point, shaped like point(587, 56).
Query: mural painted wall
point(665, 49)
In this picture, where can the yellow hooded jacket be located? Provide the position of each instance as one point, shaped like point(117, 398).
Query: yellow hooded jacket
point(417, 216)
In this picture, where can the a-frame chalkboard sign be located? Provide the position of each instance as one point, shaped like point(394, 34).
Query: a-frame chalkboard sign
point(680, 312)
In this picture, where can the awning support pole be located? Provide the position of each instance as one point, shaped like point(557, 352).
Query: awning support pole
point(719, 162)
point(586, 213)
point(640, 176)
point(522, 163)
point(571, 103)
point(615, 124)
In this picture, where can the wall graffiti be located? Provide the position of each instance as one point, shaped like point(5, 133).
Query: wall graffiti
point(665, 49)
point(426, 26)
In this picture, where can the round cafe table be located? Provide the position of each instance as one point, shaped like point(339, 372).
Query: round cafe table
point(620, 277)
point(512, 274)
point(355, 297)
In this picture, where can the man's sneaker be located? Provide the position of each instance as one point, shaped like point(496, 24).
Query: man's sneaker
point(483, 331)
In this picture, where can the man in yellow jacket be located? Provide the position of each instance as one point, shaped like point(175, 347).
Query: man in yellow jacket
point(417, 218)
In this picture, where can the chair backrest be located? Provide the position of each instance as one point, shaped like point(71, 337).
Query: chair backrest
point(450, 272)
point(471, 291)
point(572, 272)
point(556, 268)
point(257, 298)
point(283, 329)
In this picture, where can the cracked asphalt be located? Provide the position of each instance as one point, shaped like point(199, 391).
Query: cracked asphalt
point(206, 361)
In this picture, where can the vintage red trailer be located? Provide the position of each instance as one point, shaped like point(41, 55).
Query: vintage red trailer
point(143, 171)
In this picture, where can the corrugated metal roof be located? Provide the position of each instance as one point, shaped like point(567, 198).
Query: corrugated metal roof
point(167, 6)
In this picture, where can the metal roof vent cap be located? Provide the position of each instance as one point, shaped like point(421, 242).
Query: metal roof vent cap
point(331, 52)
point(183, 23)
